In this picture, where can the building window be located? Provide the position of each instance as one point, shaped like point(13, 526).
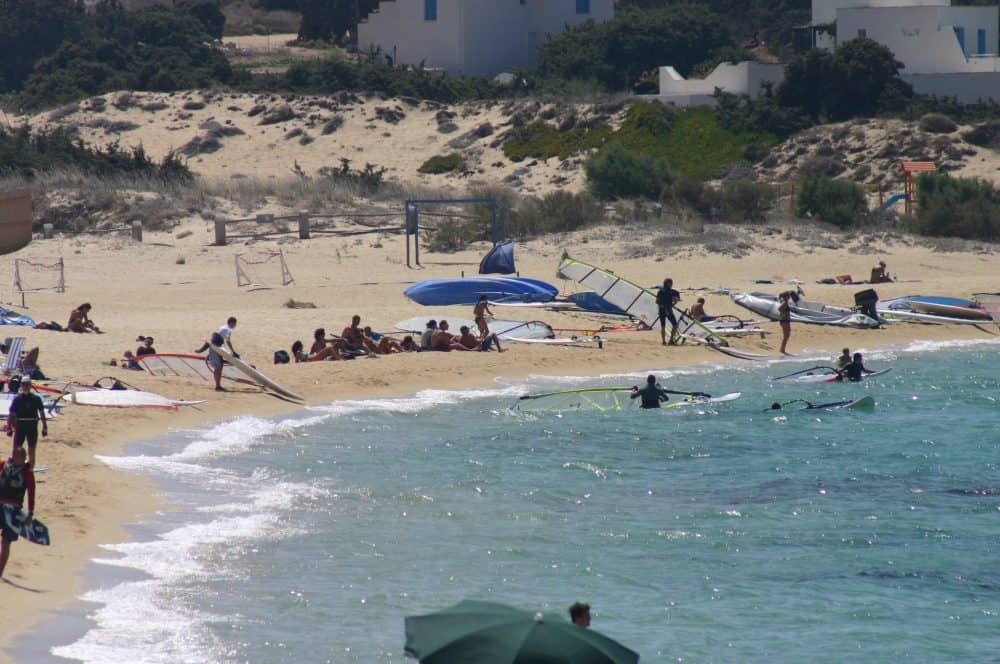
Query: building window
point(862, 33)
point(960, 35)
point(430, 10)
point(582, 6)
point(981, 41)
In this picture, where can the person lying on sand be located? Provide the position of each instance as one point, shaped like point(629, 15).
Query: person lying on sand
point(79, 320)
point(472, 342)
point(383, 345)
point(444, 340)
point(325, 353)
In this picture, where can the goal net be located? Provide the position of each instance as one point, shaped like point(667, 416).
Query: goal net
point(262, 269)
point(32, 275)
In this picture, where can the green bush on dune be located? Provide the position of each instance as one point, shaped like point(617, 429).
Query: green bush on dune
point(834, 201)
point(441, 164)
point(957, 207)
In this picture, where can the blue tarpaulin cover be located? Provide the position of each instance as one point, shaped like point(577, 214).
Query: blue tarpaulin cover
point(499, 260)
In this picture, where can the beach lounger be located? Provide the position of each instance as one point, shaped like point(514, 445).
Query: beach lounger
point(12, 363)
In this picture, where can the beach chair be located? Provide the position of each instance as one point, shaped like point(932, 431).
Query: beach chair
point(12, 363)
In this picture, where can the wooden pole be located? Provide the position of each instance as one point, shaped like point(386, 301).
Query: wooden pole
point(303, 225)
point(220, 232)
point(137, 230)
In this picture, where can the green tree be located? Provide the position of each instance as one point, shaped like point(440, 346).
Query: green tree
point(327, 20)
point(208, 13)
point(31, 30)
point(860, 78)
point(615, 53)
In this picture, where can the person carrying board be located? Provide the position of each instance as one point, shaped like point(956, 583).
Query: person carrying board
point(16, 479)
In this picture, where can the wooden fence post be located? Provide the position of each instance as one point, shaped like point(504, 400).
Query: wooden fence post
point(48, 231)
point(303, 225)
point(220, 232)
point(137, 230)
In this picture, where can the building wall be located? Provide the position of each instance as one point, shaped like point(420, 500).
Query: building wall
point(968, 88)
point(399, 29)
point(495, 36)
point(472, 36)
point(743, 78)
point(825, 11)
point(923, 38)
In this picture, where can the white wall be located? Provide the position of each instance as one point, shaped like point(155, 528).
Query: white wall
point(825, 11)
point(923, 38)
point(495, 38)
point(399, 28)
point(741, 78)
point(472, 36)
point(968, 88)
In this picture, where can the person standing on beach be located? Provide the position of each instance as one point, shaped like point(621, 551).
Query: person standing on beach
point(579, 613)
point(224, 335)
point(785, 320)
point(479, 312)
point(22, 419)
point(651, 395)
point(16, 479)
point(666, 299)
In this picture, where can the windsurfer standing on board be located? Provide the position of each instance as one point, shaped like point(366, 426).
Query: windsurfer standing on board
point(651, 395)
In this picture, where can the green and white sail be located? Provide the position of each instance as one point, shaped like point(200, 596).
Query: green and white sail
point(633, 299)
point(594, 398)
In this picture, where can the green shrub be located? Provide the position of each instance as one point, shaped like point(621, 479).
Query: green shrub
point(23, 153)
point(836, 202)
point(957, 207)
point(441, 164)
point(540, 140)
point(615, 172)
point(732, 202)
point(935, 123)
point(557, 212)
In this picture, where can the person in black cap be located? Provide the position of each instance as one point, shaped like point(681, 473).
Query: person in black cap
point(22, 420)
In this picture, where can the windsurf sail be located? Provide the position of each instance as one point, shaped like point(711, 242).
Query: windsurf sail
point(594, 398)
point(631, 298)
point(188, 366)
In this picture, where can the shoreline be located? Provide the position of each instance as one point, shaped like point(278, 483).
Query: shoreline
point(85, 503)
point(72, 609)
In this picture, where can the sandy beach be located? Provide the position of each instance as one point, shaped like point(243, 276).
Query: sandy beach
point(179, 289)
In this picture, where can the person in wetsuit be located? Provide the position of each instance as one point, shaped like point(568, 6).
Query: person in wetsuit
point(855, 371)
point(666, 299)
point(22, 420)
point(651, 395)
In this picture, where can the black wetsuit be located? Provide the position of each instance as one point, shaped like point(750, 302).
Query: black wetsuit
point(651, 396)
point(665, 300)
point(25, 409)
point(854, 371)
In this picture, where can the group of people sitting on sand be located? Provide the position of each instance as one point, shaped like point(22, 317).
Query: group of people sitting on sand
point(357, 341)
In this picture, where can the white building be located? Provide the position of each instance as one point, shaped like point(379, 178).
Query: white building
point(945, 50)
point(472, 37)
point(742, 78)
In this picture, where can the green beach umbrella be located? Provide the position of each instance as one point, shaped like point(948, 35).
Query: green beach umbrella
point(489, 633)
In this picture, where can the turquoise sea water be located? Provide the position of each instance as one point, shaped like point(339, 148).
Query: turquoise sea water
point(697, 535)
